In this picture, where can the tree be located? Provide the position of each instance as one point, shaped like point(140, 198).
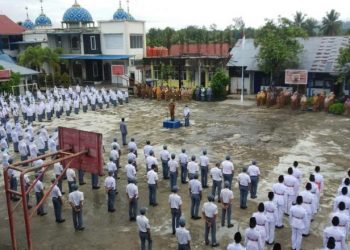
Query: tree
point(36, 57)
point(331, 25)
point(311, 26)
point(13, 81)
point(168, 34)
point(218, 84)
point(343, 67)
point(278, 46)
point(299, 19)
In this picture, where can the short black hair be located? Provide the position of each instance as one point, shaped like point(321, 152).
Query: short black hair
point(341, 206)
point(238, 237)
point(290, 170)
point(252, 222)
point(261, 207)
point(335, 221)
point(295, 163)
point(277, 246)
point(299, 200)
point(317, 169)
point(308, 186)
point(270, 195)
point(281, 179)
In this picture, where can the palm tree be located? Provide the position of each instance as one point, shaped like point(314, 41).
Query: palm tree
point(311, 26)
point(31, 57)
point(299, 18)
point(331, 24)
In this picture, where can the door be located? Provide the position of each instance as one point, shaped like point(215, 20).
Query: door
point(132, 79)
point(107, 75)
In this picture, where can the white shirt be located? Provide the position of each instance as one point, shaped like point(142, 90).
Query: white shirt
point(142, 223)
point(150, 160)
point(182, 235)
point(164, 155)
point(76, 197)
point(173, 165)
point(253, 170)
point(56, 192)
point(297, 174)
point(132, 190)
point(183, 158)
point(243, 179)
point(70, 173)
point(130, 171)
point(175, 201)
point(110, 183)
point(57, 168)
point(195, 186)
point(227, 167)
point(216, 174)
point(279, 190)
point(226, 195)
point(210, 209)
point(338, 236)
point(147, 149)
point(114, 154)
point(132, 145)
point(235, 246)
point(203, 161)
point(111, 167)
point(186, 111)
point(152, 177)
point(192, 167)
point(38, 187)
point(298, 217)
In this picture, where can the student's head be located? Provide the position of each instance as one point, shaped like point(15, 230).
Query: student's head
point(226, 184)
point(151, 153)
point(110, 173)
point(129, 161)
point(238, 237)
point(204, 152)
point(261, 207)
point(143, 210)
point(193, 158)
point(299, 200)
point(308, 186)
point(341, 206)
point(347, 181)
point(290, 171)
point(277, 246)
point(295, 164)
point(335, 221)
point(280, 179)
point(153, 166)
point(270, 196)
point(331, 243)
point(227, 159)
point(182, 222)
point(183, 150)
point(114, 147)
point(317, 169)
point(115, 139)
point(165, 147)
point(132, 139)
point(148, 142)
point(253, 162)
point(252, 222)
point(172, 156)
point(174, 189)
point(210, 197)
point(123, 119)
point(344, 190)
point(111, 158)
point(195, 176)
point(312, 178)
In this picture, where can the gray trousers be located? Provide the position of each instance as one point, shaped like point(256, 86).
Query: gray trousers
point(111, 199)
point(204, 176)
point(57, 208)
point(143, 238)
point(228, 177)
point(210, 224)
point(173, 179)
point(175, 218)
point(183, 247)
point(152, 193)
point(38, 197)
point(195, 202)
point(77, 218)
point(226, 213)
point(133, 208)
point(254, 186)
point(124, 139)
point(216, 186)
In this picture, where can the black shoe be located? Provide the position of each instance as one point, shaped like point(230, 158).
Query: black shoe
point(197, 218)
point(207, 243)
point(111, 210)
point(97, 187)
point(83, 183)
point(29, 206)
point(42, 214)
point(15, 199)
point(215, 245)
point(155, 204)
point(61, 221)
point(306, 235)
point(230, 225)
point(173, 233)
point(81, 228)
point(63, 193)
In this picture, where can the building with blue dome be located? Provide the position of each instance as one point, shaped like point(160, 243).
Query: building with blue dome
point(122, 15)
point(28, 24)
point(77, 16)
point(42, 21)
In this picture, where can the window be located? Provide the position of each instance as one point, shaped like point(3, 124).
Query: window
point(136, 41)
point(93, 42)
point(95, 69)
point(75, 42)
point(58, 41)
point(4, 43)
point(113, 41)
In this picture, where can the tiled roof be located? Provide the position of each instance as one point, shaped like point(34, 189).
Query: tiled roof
point(319, 54)
point(216, 49)
point(9, 27)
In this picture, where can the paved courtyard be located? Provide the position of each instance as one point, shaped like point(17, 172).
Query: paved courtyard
point(275, 138)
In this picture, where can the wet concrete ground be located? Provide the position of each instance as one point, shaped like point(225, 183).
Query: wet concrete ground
point(275, 138)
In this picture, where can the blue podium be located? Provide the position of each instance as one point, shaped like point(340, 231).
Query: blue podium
point(172, 124)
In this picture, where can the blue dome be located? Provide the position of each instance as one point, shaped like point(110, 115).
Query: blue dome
point(28, 24)
point(43, 20)
point(77, 14)
point(122, 15)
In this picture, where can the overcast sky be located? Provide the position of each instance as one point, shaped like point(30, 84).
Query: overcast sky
point(181, 13)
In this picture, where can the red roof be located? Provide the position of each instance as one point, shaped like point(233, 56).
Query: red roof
point(215, 49)
point(9, 27)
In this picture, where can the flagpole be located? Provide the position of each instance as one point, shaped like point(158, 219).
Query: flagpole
point(242, 84)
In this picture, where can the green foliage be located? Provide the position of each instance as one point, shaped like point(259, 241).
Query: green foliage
point(331, 25)
point(14, 81)
point(218, 84)
point(279, 47)
point(337, 108)
point(65, 79)
point(167, 72)
point(343, 68)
